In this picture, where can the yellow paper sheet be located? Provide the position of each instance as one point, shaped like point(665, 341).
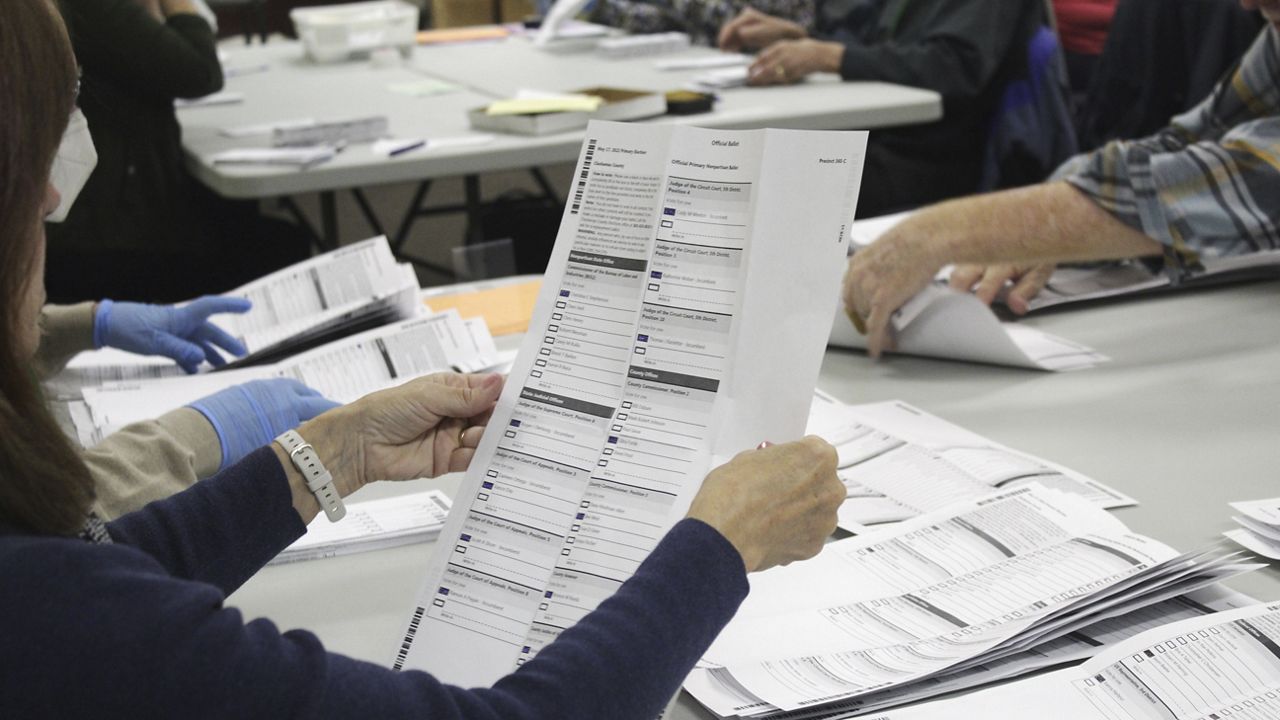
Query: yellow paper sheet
point(536, 105)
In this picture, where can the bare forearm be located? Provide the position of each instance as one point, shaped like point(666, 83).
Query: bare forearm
point(1044, 223)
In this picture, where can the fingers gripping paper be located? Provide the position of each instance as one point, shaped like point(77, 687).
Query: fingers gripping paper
point(682, 320)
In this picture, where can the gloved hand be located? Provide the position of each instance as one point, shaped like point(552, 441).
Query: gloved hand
point(182, 333)
point(251, 415)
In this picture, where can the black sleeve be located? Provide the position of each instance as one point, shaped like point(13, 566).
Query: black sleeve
point(118, 41)
point(954, 47)
point(222, 530)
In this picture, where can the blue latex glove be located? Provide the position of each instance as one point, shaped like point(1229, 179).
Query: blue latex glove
point(251, 415)
point(181, 333)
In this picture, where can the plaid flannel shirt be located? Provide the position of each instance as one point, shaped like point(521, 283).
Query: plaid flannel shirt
point(1207, 185)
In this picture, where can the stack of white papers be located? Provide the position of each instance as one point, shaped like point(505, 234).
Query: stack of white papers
point(266, 128)
point(1259, 529)
point(899, 461)
point(944, 323)
point(1211, 667)
point(225, 97)
point(704, 62)
point(342, 370)
point(1074, 647)
point(628, 46)
point(723, 78)
point(977, 583)
point(1102, 281)
point(371, 525)
point(299, 157)
point(352, 288)
point(98, 367)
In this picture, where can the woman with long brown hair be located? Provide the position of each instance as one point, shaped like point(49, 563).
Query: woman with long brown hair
point(126, 619)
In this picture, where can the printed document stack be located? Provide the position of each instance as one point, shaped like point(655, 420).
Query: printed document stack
point(1224, 666)
point(353, 288)
point(1259, 530)
point(342, 370)
point(977, 583)
point(899, 461)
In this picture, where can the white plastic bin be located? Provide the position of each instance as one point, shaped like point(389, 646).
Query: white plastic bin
point(336, 32)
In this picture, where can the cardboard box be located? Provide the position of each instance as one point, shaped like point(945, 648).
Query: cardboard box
point(458, 13)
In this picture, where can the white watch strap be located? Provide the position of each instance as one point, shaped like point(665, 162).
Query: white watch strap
point(319, 480)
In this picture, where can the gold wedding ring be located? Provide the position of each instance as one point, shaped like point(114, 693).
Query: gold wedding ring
point(462, 437)
point(780, 72)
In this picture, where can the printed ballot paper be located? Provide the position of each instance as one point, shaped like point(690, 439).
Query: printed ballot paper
point(1259, 530)
point(899, 461)
point(1220, 666)
point(682, 320)
point(343, 370)
point(976, 583)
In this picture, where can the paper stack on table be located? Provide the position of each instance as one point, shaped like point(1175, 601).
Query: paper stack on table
point(1259, 529)
point(1211, 667)
point(953, 325)
point(347, 290)
point(899, 462)
point(1074, 647)
point(371, 525)
point(343, 370)
point(319, 299)
point(354, 287)
point(977, 583)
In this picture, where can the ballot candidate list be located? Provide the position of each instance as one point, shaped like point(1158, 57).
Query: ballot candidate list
point(1227, 669)
point(610, 417)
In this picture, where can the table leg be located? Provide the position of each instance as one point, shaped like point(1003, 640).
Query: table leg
point(367, 210)
point(415, 208)
point(475, 231)
point(328, 220)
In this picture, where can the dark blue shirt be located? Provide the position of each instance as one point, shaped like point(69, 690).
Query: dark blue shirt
point(139, 628)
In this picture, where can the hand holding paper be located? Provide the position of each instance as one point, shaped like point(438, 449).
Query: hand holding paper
point(411, 431)
point(776, 504)
point(881, 278)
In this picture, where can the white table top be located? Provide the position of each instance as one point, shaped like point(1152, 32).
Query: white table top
point(295, 87)
point(1184, 418)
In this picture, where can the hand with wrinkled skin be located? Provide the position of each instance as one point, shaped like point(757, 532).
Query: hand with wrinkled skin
point(790, 61)
point(776, 504)
point(753, 30)
point(987, 282)
point(880, 278)
point(423, 428)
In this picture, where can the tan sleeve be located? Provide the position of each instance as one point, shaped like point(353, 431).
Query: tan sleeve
point(65, 331)
point(151, 460)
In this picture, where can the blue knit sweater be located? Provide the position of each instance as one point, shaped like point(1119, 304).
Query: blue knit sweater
point(139, 629)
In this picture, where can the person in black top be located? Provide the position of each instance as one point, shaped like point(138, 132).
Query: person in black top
point(142, 229)
point(966, 50)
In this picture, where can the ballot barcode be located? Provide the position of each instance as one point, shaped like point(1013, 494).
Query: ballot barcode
point(408, 638)
point(582, 177)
